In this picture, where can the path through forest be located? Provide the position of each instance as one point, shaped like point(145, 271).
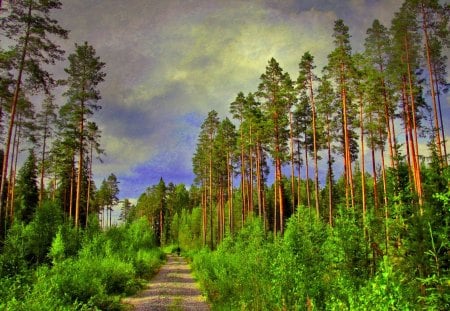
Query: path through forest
point(172, 288)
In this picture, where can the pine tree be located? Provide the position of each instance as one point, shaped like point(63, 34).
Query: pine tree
point(225, 146)
point(302, 120)
point(24, 129)
point(62, 156)
point(237, 109)
point(93, 135)
point(85, 73)
point(327, 106)
point(45, 121)
point(377, 49)
point(305, 82)
point(27, 188)
point(276, 94)
point(435, 27)
point(29, 25)
point(6, 85)
point(340, 68)
point(406, 60)
point(161, 190)
point(204, 166)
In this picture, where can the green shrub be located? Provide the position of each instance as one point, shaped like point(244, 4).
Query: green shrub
point(383, 292)
point(91, 268)
point(57, 249)
point(237, 275)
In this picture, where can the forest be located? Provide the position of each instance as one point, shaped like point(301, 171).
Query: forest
point(327, 191)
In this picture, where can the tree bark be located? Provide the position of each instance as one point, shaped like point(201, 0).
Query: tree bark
point(347, 156)
point(316, 168)
point(414, 141)
point(44, 142)
point(363, 165)
point(291, 145)
point(88, 196)
point(431, 77)
point(80, 167)
point(308, 191)
point(13, 112)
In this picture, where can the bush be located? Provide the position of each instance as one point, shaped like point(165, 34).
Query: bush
point(238, 275)
point(91, 270)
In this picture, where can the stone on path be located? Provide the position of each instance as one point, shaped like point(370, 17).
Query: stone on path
point(172, 288)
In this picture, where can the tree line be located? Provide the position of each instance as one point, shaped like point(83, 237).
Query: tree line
point(62, 141)
point(382, 103)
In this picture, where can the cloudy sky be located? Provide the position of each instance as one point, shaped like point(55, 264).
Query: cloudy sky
point(169, 62)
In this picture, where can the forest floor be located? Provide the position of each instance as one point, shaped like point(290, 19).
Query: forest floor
point(172, 288)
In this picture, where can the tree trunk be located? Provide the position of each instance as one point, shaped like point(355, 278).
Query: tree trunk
point(416, 162)
point(258, 178)
point(406, 126)
point(308, 191)
point(161, 226)
point(72, 177)
point(444, 144)
point(88, 196)
point(291, 144)
point(204, 204)
point(275, 195)
point(280, 195)
point(41, 188)
point(250, 187)
point(243, 188)
point(387, 118)
point(330, 182)
point(431, 77)
point(363, 166)
point(211, 229)
point(13, 113)
point(374, 172)
point(11, 182)
point(299, 174)
point(347, 156)
point(80, 168)
point(230, 193)
point(316, 168)
point(14, 169)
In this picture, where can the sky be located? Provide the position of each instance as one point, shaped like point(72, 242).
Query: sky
point(170, 62)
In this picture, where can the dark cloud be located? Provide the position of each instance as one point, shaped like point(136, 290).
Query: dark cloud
point(170, 62)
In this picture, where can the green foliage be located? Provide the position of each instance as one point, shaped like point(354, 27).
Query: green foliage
point(186, 229)
point(238, 275)
point(91, 269)
point(300, 261)
point(28, 244)
point(27, 189)
point(313, 266)
point(385, 291)
point(57, 249)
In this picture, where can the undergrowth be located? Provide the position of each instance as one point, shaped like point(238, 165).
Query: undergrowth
point(86, 269)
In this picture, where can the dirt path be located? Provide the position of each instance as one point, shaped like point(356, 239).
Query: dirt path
point(172, 288)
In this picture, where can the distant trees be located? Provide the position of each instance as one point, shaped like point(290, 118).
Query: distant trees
point(107, 198)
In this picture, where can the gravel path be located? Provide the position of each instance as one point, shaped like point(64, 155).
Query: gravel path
point(172, 288)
